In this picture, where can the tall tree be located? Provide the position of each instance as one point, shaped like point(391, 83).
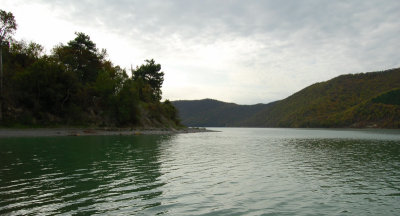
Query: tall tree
point(7, 28)
point(151, 74)
point(81, 56)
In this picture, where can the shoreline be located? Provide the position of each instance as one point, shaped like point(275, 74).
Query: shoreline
point(53, 132)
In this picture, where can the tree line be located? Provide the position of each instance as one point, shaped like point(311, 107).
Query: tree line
point(76, 85)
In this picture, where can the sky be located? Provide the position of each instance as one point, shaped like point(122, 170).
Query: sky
point(245, 52)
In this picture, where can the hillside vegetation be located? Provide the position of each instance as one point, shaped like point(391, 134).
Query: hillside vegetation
point(354, 100)
point(213, 113)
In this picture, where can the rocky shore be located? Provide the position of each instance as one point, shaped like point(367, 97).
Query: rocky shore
point(48, 132)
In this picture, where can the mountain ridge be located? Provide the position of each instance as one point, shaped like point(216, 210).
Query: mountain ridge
point(351, 100)
point(208, 112)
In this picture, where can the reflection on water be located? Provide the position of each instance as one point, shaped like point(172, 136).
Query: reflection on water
point(234, 172)
point(79, 174)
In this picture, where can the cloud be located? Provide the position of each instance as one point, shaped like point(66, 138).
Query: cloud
point(239, 51)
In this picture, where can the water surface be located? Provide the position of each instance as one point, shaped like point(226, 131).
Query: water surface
point(234, 172)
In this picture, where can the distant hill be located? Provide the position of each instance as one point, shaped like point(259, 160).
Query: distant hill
point(355, 100)
point(213, 113)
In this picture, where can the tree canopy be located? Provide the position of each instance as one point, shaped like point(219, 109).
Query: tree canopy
point(8, 25)
point(81, 56)
point(7, 28)
point(151, 74)
point(76, 85)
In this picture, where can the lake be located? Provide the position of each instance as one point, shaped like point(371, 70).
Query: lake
point(238, 171)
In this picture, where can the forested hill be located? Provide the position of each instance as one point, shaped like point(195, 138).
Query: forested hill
point(213, 113)
point(355, 100)
point(76, 85)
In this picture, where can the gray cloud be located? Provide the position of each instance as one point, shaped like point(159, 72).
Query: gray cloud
point(314, 23)
point(236, 17)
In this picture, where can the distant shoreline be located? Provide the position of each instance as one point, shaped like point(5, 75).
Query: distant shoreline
point(52, 132)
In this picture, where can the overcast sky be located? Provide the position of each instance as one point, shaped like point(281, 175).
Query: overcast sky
point(237, 51)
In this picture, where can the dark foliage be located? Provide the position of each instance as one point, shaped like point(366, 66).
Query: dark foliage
point(77, 86)
point(391, 97)
point(151, 77)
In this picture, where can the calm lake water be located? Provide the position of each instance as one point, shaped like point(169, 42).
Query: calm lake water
point(234, 172)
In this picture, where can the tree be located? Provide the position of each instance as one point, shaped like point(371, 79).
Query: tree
point(24, 54)
point(7, 28)
point(151, 74)
point(31, 50)
point(127, 110)
point(81, 56)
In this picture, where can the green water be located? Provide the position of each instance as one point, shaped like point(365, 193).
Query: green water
point(233, 172)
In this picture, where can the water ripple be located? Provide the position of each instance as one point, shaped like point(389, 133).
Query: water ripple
point(236, 172)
